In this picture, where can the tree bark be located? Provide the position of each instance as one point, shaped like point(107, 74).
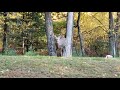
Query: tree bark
point(50, 34)
point(23, 45)
point(69, 35)
point(117, 26)
point(82, 52)
point(5, 34)
point(112, 46)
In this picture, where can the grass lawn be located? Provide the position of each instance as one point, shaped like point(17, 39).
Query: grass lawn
point(58, 67)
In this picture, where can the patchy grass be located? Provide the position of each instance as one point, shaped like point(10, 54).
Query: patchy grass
point(58, 67)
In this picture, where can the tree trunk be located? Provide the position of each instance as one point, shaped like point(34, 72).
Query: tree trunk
point(23, 45)
point(5, 34)
point(69, 35)
point(82, 52)
point(112, 35)
point(50, 34)
point(117, 26)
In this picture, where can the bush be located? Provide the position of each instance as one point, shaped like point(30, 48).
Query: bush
point(98, 48)
point(31, 53)
point(10, 52)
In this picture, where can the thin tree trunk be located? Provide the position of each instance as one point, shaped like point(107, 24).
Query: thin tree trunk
point(112, 35)
point(27, 45)
point(82, 52)
point(50, 34)
point(23, 45)
point(5, 34)
point(69, 35)
point(116, 32)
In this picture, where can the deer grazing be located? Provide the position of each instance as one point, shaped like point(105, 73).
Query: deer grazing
point(60, 43)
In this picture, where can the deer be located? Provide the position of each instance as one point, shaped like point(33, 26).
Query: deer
point(108, 56)
point(60, 43)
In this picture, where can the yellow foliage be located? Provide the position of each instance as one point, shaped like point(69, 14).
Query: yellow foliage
point(93, 25)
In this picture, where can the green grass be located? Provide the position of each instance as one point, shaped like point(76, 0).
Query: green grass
point(58, 67)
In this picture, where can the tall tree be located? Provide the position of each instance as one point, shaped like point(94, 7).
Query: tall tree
point(50, 34)
point(5, 33)
point(117, 26)
point(82, 52)
point(69, 35)
point(112, 34)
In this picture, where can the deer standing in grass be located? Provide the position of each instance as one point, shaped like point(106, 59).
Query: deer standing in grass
point(60, 45)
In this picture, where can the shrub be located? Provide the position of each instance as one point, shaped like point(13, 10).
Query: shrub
point(10, 52)
point(31, 53)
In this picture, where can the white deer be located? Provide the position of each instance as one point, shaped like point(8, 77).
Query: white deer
point(60, 44)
